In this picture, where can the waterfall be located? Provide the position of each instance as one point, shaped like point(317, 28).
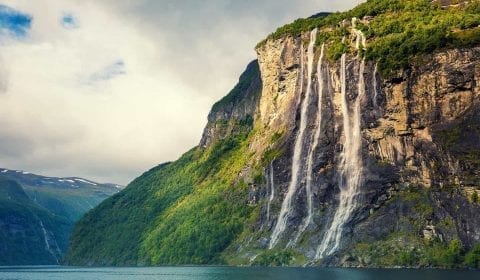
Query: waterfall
point(311, 152)
point(286, 209)
point(271, 186)
point(360, 40)
point(350, 167)
point(47, 243)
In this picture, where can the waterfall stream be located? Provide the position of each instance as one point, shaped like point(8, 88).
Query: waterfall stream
point(271, 189)
point(286, 208)
point(313, 147)
point(48, 246)
point(360, 40)
point(351, 166)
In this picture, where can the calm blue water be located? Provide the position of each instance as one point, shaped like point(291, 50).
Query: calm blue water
point(228, 273)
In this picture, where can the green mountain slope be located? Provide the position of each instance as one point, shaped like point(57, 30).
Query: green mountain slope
point(29, 234)
point(187, 211)
point(66, 197)
point(37, 214)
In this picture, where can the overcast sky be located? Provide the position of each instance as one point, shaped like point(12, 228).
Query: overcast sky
point(107, 89)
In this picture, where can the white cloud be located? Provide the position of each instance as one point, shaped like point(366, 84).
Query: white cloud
point(155, 68)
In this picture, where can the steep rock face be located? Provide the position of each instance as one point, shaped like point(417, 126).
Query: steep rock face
point(407, 146)
point(234, 113)
point(280, 67)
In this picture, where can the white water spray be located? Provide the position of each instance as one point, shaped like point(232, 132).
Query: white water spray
point(298, 149)
point(350, 167)
point(272, 189)
point(361, 40)
point(311, 152)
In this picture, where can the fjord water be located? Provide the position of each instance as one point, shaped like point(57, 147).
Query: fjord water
point(227, 273)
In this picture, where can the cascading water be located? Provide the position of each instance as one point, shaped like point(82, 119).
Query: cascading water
point(360, 40)
point(271, 189)
point(48, 246)
point(351, 165)
point(298, 148)
point(311, 152)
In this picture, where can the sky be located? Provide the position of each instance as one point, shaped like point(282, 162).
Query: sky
point(107, 89)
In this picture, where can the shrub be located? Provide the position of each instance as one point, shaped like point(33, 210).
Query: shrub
point(474, 197)
point(274, 258)
point(472, 259)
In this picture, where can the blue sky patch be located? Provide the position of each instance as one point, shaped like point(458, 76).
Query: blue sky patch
point(69, 21)
point(111, 71)
point(14, 23)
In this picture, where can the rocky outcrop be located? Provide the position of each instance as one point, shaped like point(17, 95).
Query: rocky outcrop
point(235, 111)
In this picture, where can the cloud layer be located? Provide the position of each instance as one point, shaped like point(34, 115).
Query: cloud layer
point(108, 89)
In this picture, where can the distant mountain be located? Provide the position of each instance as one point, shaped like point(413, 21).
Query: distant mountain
point(37, 214)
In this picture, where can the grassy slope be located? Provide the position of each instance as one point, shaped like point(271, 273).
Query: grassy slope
point(184, 212)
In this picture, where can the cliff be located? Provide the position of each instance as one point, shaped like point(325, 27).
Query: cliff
point(237, 109)
point(353, 142)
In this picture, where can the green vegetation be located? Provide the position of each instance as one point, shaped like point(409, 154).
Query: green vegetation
point(188, 211)
point(241, 89)
point(185, 212)
point(199, 226)
point(26, 204)
point(407, 247)
point(274, 258)
point(398, 31)
point(474, 197)
point(449, 256)
point(404, 249)
point(472, 258)
point(71, 203)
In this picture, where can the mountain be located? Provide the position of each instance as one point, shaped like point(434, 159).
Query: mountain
point(37, 214)
point(353, 140)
